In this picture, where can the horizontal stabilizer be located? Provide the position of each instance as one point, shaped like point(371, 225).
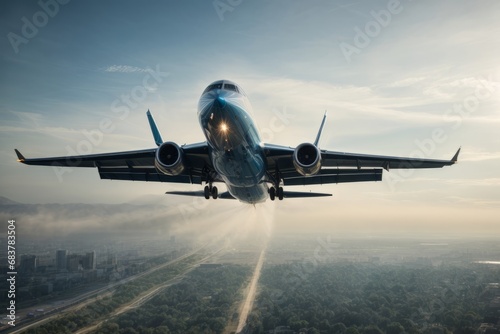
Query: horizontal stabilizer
point(227, 195)
point(199, 193)
point(300, 194)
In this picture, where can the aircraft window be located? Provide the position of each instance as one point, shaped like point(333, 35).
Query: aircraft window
point(212, 87)
point(231, 87)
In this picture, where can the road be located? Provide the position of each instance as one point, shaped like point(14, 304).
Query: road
point(145, 296)
point(89, 297)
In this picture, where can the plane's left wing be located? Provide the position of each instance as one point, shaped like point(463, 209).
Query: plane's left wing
point(343, 167)
point(340, 159)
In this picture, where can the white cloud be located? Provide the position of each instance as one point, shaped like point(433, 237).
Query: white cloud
point(355, 100)
point(486, 182)
point(447, 89)
point(126, 69)
point(477, 155)
point(28, 117)
point(407, 82)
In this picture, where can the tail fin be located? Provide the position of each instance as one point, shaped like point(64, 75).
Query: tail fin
point(316, 142)
point(154, 129)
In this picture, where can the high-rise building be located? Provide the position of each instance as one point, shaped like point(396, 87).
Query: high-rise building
point(89, 261)
point(75, 262)
point(61, 259)
point(28, 263)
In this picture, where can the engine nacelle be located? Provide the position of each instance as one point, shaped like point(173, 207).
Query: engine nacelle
point(307, 159)
point(169, 159)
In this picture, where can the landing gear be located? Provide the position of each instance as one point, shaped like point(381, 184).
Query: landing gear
point(276, 190)
point(211, 191)
point(273, 193)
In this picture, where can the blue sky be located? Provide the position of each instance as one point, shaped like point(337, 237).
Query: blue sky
point(419, 68)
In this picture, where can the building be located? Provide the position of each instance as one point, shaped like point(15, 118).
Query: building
point(74, 262)
point(61, 259)
point(89, 261)
point(28, 263)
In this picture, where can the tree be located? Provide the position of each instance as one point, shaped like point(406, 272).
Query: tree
point(372, 330)
point(352, 330)
point(395, 328)
point(161, 330)
point(338, 328)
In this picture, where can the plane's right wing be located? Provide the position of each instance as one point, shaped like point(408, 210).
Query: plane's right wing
point(133, 165)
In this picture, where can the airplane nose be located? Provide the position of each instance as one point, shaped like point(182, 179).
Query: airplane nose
point(220, 100)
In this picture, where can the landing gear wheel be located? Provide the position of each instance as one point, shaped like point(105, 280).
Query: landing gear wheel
point(272, 193)
point(214, 192)
point(280, 193)
point(206, 192)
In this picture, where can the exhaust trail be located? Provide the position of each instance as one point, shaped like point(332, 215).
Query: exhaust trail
point(252, 289)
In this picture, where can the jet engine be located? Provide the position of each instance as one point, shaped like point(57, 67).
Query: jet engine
point(169, 159)
point(307, 159)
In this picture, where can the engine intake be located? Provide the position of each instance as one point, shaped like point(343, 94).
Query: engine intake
point(169, 159)
point(307, 159)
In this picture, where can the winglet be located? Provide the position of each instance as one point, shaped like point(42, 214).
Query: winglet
point(316, 142)
point(455, 157)
point(154, 129)
point(20, 157)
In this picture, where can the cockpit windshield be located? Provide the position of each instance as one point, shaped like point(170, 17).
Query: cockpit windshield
point(231, 87)
point(227, 85)
point(212, 87)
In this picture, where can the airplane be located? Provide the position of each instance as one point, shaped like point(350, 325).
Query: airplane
point(234, 154)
